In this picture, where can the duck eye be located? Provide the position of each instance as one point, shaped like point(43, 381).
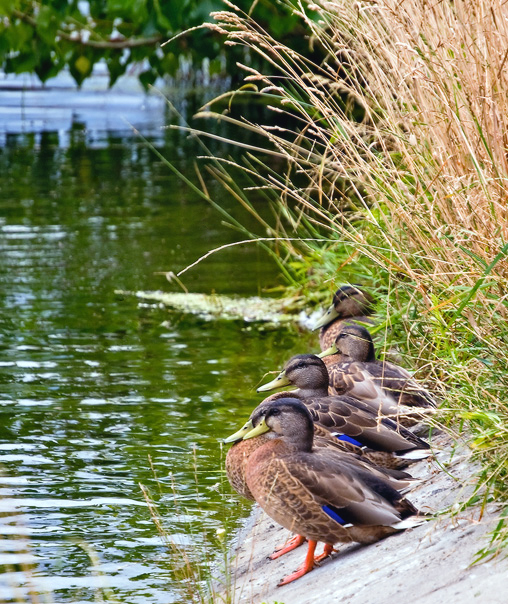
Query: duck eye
point(275, 412)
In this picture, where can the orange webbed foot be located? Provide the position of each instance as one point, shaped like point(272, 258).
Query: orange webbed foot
point(306, 567)
point(289, 546)
point(327, 551)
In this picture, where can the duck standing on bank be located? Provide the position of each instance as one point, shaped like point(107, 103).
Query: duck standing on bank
point(241, 450)
point(322, 494)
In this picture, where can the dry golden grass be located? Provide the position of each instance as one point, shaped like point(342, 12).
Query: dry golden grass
point(431, 148)
point(426, 165)
point(396, 145)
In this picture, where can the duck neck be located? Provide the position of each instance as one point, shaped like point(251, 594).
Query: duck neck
point(311, 392)
point(302, 440)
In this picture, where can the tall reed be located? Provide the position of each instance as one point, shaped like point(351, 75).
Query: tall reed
point(394, 148)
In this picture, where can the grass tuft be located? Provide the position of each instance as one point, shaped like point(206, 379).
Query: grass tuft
point(202, 567)
point(393, 150)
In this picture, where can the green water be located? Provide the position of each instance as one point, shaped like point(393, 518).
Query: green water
point(93, 384)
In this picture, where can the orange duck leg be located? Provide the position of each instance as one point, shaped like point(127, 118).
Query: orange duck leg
point(289, 546)
point(309, 563)
point(328, 551)
point(306, 567)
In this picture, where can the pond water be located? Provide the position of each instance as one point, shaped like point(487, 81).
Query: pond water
point(101, 394)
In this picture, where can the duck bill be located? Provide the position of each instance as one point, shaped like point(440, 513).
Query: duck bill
point(330, 315)
point(328, 352)
point(278, 382)
point(261, 428)
point(240, 434)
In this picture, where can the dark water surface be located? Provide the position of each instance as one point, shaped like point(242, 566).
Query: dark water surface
point(93, 384)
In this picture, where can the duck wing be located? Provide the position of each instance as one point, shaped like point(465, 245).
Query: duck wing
point(355, 495)
point(355, 379)
point(397, 382)
point(356, 419)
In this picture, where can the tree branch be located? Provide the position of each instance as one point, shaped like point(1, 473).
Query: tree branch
point(103, 44)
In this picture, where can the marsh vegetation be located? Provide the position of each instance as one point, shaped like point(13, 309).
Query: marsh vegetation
point(385, 165)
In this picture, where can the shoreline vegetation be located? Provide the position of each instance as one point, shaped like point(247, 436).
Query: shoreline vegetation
point(388, 167)
point(394, 149)
point(390, 164)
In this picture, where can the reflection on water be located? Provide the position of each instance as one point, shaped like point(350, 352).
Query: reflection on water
point(100, 394)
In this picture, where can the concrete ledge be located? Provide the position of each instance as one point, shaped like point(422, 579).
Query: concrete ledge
point(426, 565)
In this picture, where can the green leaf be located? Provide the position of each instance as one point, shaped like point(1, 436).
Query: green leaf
point(83, 65)
point(162, 21)
point(7, 7)
point(47, 25)
point(147, 78)
point(21, 63)
point(169, 63)
point(18, 35)
point(46, 68)
point(115, 67)
point(131, 10)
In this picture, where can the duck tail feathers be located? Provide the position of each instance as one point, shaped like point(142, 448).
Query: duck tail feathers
point(416, 482)
point(410, 522)
point(416, 454)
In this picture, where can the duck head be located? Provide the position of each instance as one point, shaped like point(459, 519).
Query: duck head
point(305, 371)
point(348, 301)
point(353, 343)
point(288, 418)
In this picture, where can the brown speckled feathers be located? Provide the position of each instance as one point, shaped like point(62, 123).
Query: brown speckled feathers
point(307, 489)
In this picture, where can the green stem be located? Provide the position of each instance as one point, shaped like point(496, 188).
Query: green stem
point(478, 284)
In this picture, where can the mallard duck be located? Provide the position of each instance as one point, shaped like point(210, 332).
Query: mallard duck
point(239, 453)
point(354, 370)
point(350, 303)
point(345, 416)
point(322, 494)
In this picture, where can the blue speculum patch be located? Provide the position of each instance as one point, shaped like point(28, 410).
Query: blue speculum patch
point(349, 439)
point(332, 512)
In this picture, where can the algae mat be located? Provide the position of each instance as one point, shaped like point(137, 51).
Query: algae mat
point(254, 309)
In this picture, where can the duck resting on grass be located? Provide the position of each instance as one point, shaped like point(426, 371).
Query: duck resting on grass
point(322, 494)
point(350, 303)
point(349, 418)
point(354, 370)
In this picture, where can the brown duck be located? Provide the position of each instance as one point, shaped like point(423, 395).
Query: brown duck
point(239, 453)
point(322, 494)
point(350, 303)
point(346, 417)
point(354, 370)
